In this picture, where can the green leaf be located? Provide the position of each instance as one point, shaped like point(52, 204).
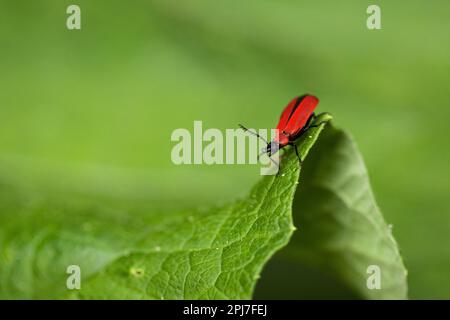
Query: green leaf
point(212, 254)
point(217, 253)
point(341, 232)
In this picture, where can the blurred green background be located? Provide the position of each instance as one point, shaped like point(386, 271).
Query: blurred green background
point(91, 111)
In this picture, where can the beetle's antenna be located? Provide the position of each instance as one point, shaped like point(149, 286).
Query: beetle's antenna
point(253, 133)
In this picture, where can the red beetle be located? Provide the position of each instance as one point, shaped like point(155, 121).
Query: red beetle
point(294, 122)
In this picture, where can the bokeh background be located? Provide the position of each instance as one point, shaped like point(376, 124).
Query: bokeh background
point(91, 111)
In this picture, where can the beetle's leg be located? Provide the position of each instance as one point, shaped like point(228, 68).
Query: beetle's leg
point(308, 126)
point(315, 126)
point(254, 133)
point(313, 116)
point(296, 152)
point(305, 129)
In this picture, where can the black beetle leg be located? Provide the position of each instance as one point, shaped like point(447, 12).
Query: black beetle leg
point(296, 152)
